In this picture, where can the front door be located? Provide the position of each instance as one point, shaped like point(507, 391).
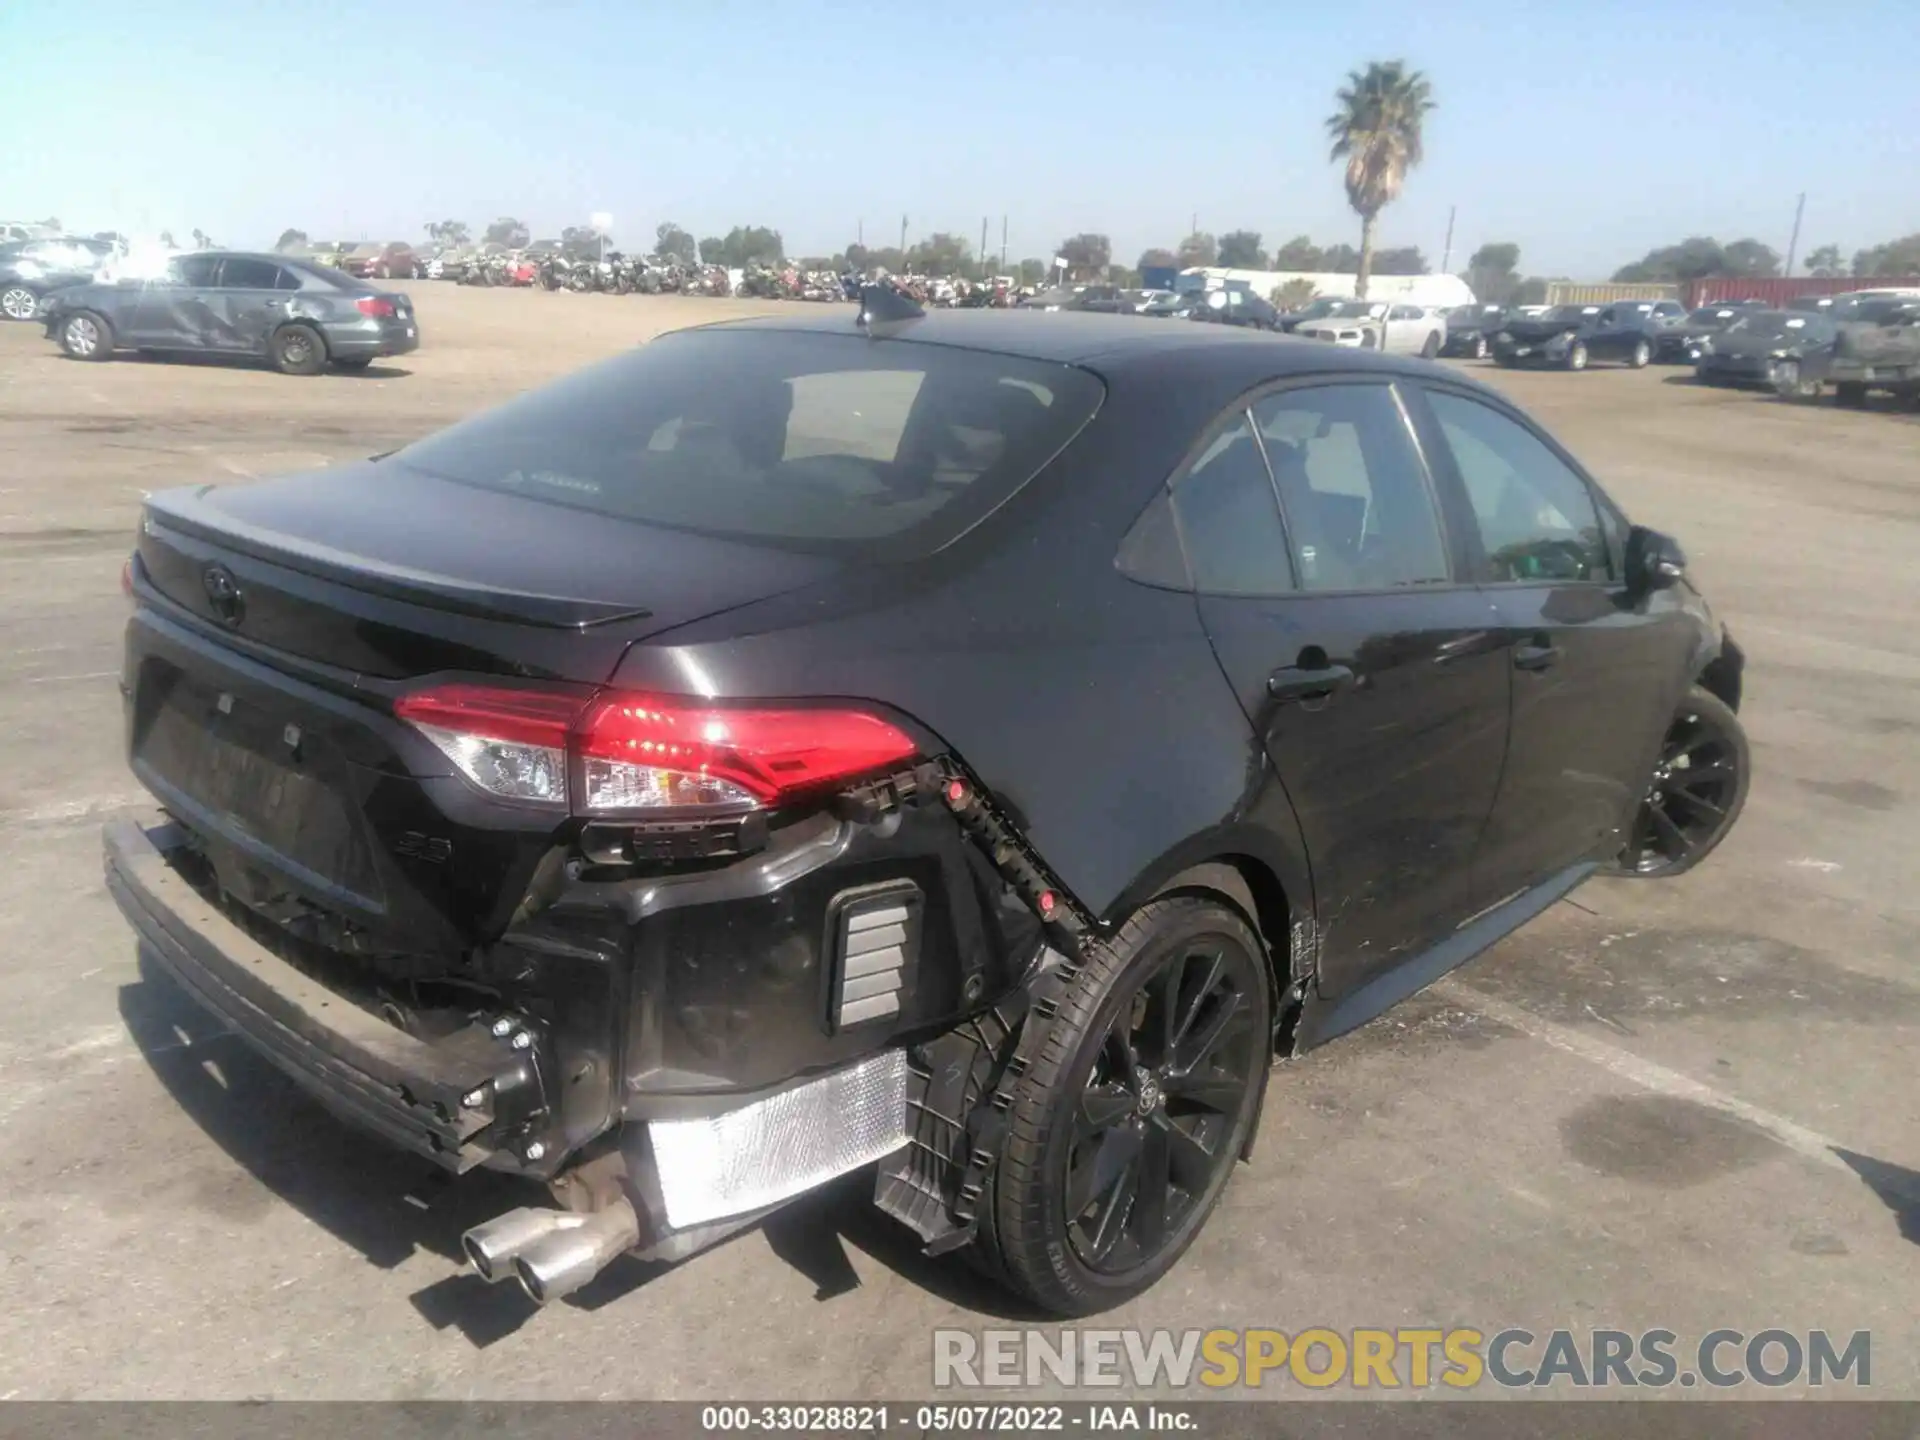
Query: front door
point(1373, 679)
point(252, 299)
point(177, 310)
point(1594, 673)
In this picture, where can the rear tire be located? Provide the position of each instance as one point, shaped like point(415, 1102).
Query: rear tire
point(1479, 347)
point(18, 302)
point(1850, 393)
point(86, 336)
point(297, 349)
point(1127, 1124)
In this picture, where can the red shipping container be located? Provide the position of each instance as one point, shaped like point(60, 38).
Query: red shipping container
point(1777, 292)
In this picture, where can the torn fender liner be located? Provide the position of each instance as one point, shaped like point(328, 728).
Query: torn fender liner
point(774, 1149)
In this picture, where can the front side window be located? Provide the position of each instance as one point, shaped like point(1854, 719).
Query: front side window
point(1228, 519)
point(1353, 487)
point(240, 273)
point(830, 443)
point(196, 272)
point(1536, 516)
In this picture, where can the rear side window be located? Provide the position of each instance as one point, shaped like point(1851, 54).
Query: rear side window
point(827, 442)
point(1353, 487)
point(1235, 542)
point(1536, 516)
point(196, 271)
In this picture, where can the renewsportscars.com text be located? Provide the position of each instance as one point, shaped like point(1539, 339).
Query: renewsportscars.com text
point(1406, 1358)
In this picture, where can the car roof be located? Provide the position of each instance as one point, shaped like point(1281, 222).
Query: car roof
point(1099, 341)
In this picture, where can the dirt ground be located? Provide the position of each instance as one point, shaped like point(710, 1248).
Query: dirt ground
point(1685, 1105)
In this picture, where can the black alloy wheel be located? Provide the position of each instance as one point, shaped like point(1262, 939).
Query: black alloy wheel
point(1127, 1125)
point(1698, 788)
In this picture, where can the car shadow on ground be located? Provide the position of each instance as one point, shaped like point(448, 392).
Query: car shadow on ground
point(254, 362)
point(1896, 1185)
point(389, 1205)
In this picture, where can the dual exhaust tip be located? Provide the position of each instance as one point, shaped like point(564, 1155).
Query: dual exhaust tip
point(552, 1253)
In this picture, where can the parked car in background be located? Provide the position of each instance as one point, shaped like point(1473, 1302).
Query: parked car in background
point(1142, 299)
point(1102, 300)
point(1315, 309)
point(30, 270)
point(607, 792)
point(380, 262)
point(300, 317)
point(1471, 328)
point(1394, 327)
point(1059, 297)
point(1876, 347)
point(1223, 305)
point(1785, 351)
point(12, 230)
point(1681, 344)
point(1572, 336)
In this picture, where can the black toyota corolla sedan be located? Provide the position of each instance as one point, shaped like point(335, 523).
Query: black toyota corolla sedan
point(970, 745)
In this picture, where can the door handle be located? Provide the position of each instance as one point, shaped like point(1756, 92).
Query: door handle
point(1318, 683)
point(1535, 656)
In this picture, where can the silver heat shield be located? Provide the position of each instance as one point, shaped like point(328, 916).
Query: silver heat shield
point(774, 1149)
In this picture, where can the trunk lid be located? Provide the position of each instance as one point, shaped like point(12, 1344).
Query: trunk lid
point(380, 570)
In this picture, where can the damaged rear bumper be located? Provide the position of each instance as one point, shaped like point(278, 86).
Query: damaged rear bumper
point(440, 1099)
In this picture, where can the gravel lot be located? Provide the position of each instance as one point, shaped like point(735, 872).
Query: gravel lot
point(1686, 1105)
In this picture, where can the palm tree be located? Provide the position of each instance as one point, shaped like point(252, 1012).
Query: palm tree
point(1376, 131)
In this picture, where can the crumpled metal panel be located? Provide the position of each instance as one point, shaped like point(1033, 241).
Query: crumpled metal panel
point(774, 1149)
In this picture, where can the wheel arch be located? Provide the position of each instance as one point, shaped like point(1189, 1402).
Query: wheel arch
point(1724, 673)
point(1259, 878)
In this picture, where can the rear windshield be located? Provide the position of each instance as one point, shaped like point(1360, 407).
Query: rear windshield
point(1780, 325)
point(876, 449)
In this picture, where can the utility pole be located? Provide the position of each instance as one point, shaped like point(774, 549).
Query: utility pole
point(1793, 245)
point(860, 233)
point(1003, 244)
point(903, 240)
point(983, 245)
point(1446, 255)
point(1194, 227)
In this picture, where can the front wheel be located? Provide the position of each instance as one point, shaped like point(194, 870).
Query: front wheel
point(1697, 790)
point(1642, 354)
point(1479, 347)
point(1432, 347)
point(85, 336)
point(297, 350)
point(1789, 382)
point(1850, 392)
point(18, 302)
point(1127, 1124)
point(1577, 355)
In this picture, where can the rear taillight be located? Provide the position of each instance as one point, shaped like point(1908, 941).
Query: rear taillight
point(625, 752)
point(126, 578)
point(378, 306)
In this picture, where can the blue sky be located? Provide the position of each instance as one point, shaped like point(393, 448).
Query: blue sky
point(1587, 133)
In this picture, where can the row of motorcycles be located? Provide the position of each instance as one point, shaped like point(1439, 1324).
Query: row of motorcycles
point(620, 274)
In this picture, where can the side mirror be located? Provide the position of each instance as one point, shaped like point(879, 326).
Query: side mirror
point(1654, 561)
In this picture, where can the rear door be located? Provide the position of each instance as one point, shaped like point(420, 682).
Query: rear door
point(1369, 673)
point(1594, 674)
point(253, 296)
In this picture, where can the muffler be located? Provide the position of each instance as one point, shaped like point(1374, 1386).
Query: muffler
point(552, 1253)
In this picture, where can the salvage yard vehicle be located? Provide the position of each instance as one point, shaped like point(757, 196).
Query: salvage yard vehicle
point(30, 270)
point(1681, 344)
point(1397, 328)
point(300, 316)
point(1877, 347)
point(1572, 336)
point(970, 745)
point(1783, 351)
point(1470, 329)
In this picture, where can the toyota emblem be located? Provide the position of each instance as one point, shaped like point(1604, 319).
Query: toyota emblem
point(223, 594)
